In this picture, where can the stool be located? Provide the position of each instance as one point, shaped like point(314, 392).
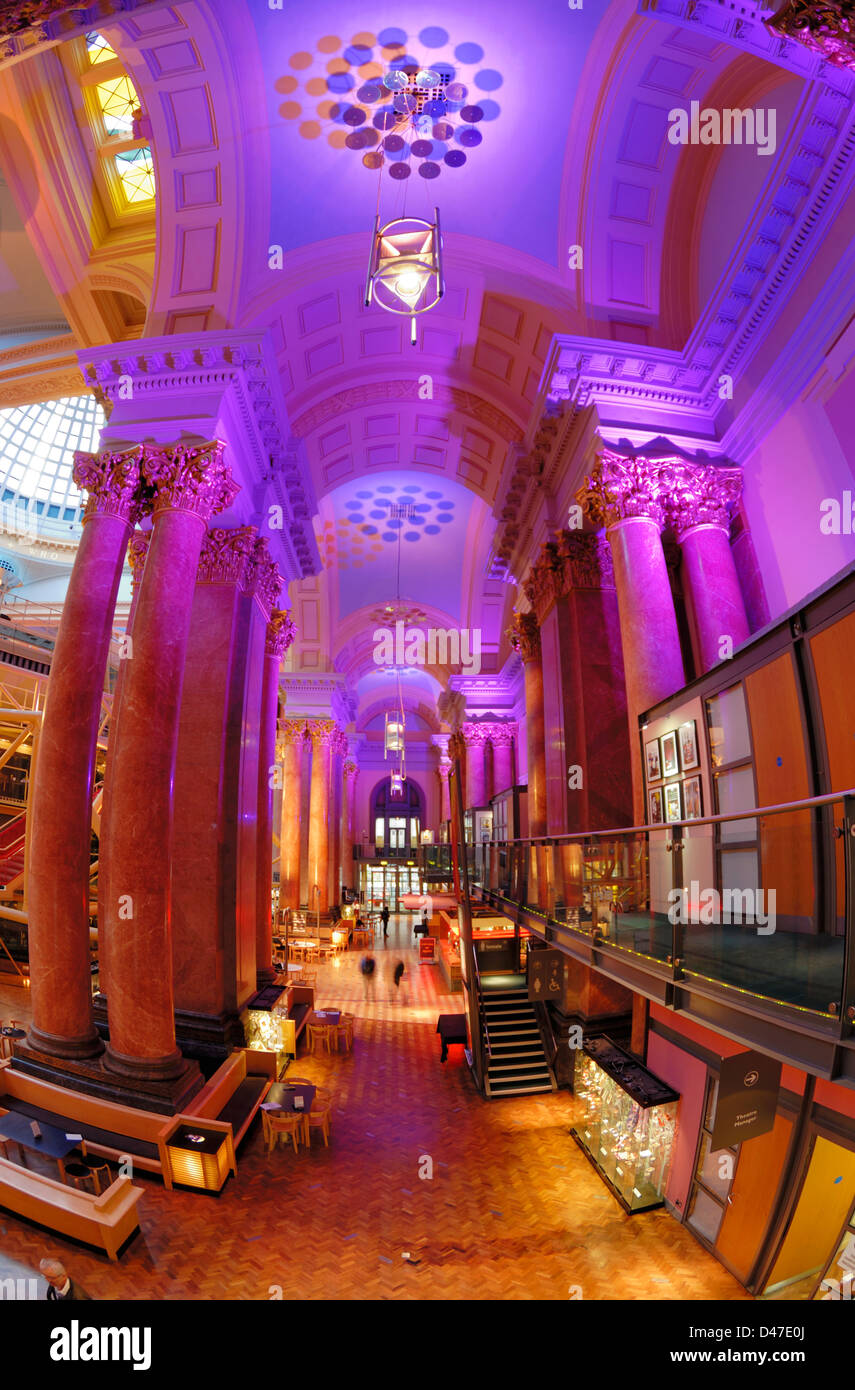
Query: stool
point(79, 1174)
point(100, 1173)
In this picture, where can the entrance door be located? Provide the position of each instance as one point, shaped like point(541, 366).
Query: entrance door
point(397, 832)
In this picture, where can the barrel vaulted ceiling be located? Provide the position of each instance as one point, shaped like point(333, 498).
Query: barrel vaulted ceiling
point(267, 131)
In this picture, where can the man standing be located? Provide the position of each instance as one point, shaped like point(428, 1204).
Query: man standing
point(60, 1285)
point(385, 919)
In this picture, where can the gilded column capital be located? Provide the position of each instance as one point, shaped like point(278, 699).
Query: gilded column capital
point(138, 554)
point(525, 636)
point(621, 487)
point(225, 554)
point(349, 769)
point(280, 633)
point(112, 480)
point(189, 478)
point(826, 27)
point(457, 747)
point(262, 576)
point(586, 561)
point(500, 735)
point(322, 732)
point(292, 730)
point(700, 495)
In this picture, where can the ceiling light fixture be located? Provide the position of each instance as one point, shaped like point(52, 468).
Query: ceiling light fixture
point(405, 267)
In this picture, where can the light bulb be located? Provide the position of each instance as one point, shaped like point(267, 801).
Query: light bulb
point(408, 286)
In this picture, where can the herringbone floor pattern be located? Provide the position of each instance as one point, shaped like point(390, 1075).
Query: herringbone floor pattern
point(512, 1210)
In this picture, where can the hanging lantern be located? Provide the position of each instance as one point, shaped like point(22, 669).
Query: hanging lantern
point(405, 267)
point(394, 734)
point(397, 782)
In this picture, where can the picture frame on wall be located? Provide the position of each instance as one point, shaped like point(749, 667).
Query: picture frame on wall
point(693, 802)
point(689, 756)
point(673, 803)
point(670, 755)
point(653, 761)
point(656, 815)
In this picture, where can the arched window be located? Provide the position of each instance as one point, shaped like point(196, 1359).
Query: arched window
point(116, 117)
point(397, 820)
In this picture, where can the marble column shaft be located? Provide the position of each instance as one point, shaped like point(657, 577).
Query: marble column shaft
point(350, 773)
point(476, 785)
point(61, 809)
point(293, 735)
point(189, 484)
point(280, 634)
point(322, 733)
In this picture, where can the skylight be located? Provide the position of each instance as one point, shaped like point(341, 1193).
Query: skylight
point(37, 445)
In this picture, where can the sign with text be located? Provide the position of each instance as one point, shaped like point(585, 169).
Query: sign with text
point(545, 974)
point(427, 950)
point(747, 1098)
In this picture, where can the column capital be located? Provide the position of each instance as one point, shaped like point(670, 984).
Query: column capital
point(574, 560)
point(623, 486)
point(444, 771)
point(525, 636)
point(262, 576)
point(322, 732)
point(500, 734)
point(475, 734)
point(138, 545)
point(700, 495)
point(292, 730)
point(113, 483)
point(189, 478)
point(225, 554)
point(280, 633)
point(823, 26)
point(350, 769)
point(457, 746)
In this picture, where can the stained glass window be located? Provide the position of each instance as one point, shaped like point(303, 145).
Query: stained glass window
point(99, 50)
point(118, 101)
point(37, 445)
point(136, 171)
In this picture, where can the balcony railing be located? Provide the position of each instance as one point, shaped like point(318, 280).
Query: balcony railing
point(754, 911)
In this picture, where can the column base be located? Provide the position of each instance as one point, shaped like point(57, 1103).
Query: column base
point(144, 1069)
point(207, 1038)
point(166, 1096)
point(265, 976)
point(64, 1049)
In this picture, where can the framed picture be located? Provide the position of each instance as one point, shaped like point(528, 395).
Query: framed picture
point(655, 802)
point(692, 799)
point(688, 746)
point(654, 766)
point(672, 802)
point(670, 756)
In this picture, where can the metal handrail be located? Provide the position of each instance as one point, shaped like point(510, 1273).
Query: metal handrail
point(750, 813)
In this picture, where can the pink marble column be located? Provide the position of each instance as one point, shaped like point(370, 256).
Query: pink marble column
point(292, 733)
point(188, 485)
point(280, 635)
point(702, 500)
point(526, 640)
point(350, 772)
point(444, 771)
point(628, 496)
point(61, 806)
point(337, 754)
point(502, 739)
point(323, 734)
point(476, 784)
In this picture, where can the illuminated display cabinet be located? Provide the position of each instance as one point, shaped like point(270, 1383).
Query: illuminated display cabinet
point(629, 1122)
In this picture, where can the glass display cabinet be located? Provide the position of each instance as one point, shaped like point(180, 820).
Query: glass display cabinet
point(628, 1127)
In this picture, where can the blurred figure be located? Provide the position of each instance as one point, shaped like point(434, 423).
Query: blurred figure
point(367, 965)
point(398, 975)
point(60, 1285)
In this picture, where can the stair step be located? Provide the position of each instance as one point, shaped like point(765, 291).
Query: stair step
point(518, 1090)
point(513, 1030)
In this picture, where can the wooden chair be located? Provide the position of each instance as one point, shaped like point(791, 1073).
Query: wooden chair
point(344, 1031)
point(308, 977)
point(318, 1118)
point(318, 1031)
point(285, 1126)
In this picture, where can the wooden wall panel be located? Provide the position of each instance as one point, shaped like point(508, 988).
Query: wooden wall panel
point(752, 1197)
point(833, 652)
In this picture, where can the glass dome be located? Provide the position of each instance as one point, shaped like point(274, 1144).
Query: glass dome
point(37, 445)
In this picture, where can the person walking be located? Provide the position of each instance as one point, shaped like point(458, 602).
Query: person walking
point(385, 919)
point(399, 972)
point(60, 1285)
point(367, 965)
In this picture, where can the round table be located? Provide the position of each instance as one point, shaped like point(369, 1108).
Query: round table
point(7, 1034)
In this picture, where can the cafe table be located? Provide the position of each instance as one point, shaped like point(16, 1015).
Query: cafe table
point(280, 1098)
point(17, 1129)
point(8, 1035)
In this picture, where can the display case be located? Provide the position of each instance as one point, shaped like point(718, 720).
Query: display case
point(629, 1121)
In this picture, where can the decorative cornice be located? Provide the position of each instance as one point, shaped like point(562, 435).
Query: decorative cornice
point(188, 478)
point(30, 26)
point(281, 631)
point(825, 27)
point(226, 554)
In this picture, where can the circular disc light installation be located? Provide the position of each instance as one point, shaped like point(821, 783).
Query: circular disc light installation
point(396, 81)
point(427, 78)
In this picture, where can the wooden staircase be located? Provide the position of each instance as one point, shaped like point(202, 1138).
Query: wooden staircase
point(515, 1059)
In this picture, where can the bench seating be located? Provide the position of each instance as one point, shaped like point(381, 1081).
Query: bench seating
point(229, 1102)
point(106, 1221)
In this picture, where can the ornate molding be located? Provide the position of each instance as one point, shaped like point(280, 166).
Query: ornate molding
point(501, 735)
point(113, 481)
point(292, 730)
point(189, 478)
point(262, 576)
point(138, 554)
point(281, 631)
point(576, 560)
point(699, 496)
point(322, 732)
point(524, 636)
point(621, 487)
point(826, 27)
point(408, 390)
point(225, 554)
point(475, 734)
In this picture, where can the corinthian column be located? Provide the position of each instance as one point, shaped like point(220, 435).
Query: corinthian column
point(350, 772)
point(61, 807)
point(292, 733)
point(188, 484)
point(525, 637)
point(502, 739)
point(323, 734)
point(476, 782)
point(280, 635)
point(700, 506)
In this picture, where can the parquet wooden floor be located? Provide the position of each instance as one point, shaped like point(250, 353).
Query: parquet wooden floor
point(512, 1211)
